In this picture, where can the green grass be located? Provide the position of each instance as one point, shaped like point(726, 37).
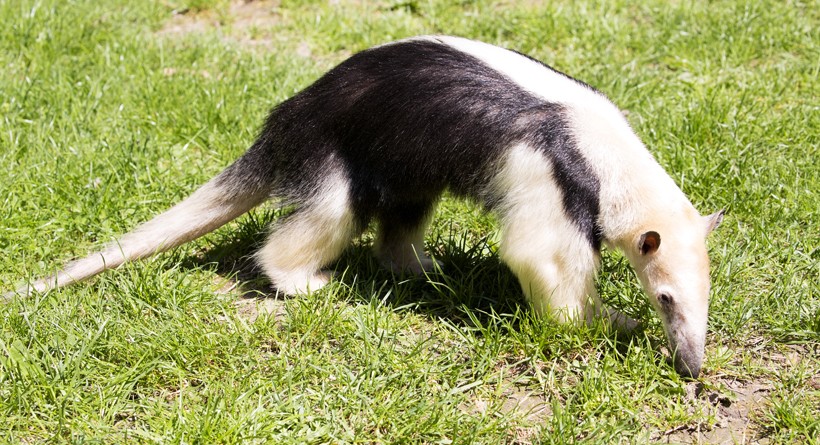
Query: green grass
point(107, 118)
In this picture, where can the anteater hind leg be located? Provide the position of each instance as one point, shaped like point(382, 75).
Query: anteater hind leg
point(309, 239)
point(400, 238)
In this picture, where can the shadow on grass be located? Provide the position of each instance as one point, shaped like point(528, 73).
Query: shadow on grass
point(471, 276)
point(230, 255)
point(481, 285)
point(472, 288)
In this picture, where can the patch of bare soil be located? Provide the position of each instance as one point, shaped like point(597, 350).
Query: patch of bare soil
point(738, 404)
point(534, 407)
point(239, 278)
point(248, 22)
point(519, 403)
point(252, 301)
point(252, 308)
point(733, 407)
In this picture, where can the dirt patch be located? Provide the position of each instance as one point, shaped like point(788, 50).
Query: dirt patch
point(733, 407)
point(533, 407)
point(519, 403)
point(253, 308)
point(252, 301)
point(738, 404)
point(250, 23)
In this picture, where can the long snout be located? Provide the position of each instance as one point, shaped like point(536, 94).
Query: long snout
point(685, 328)
point(687, 344)
point(688, 359)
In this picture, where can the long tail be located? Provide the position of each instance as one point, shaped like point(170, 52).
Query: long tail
point(222, 199)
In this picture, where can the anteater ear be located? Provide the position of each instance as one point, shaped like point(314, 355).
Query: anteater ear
point(713, 220)
point(649, 242)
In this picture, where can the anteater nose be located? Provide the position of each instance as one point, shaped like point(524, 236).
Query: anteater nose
point(686, 368)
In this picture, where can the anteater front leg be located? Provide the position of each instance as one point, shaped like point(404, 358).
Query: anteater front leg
point(558, 275)
point(556, 268)
point(555, 262)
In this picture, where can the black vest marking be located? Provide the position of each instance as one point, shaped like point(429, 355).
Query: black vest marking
point(406, 121)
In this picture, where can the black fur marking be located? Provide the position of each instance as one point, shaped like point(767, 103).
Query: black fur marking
point(397, 222)
point(579, 185)
point(406, 121)
point(579, 82)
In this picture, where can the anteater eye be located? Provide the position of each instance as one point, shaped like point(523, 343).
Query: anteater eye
point(665, 299)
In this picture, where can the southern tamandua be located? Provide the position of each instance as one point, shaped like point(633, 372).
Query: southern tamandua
point(382, 136)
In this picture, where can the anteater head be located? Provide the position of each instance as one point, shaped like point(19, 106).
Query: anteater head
point(672, 264)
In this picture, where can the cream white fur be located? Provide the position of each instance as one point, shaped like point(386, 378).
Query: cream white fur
point(530, 74)
point(603, 135)
point(309, 239)
point(551, 258)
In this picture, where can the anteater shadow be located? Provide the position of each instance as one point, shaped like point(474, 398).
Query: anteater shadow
point(470, 287)
point(469, 277)
point(230, 255)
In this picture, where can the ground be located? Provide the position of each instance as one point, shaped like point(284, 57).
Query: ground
point(112, 111)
